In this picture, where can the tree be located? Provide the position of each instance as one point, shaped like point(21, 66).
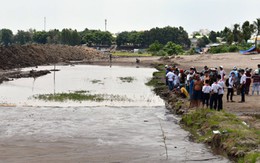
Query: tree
point(54, 36)
point(247, 30)
point(213, 36)
point(122, 39)
point(162, 35)
point(171, 48)
point(40, 37)
point(155, 47)
point(257, 27)
point(230, 38)
point(7, 36)
point(225, 33)
point(22, 37)
point(202, 42)
point(237, 33)
point(97, 38)
point(75, 38)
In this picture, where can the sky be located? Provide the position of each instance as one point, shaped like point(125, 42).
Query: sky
point(126, 15)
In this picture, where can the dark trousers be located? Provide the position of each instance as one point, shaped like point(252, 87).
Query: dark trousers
point(231, 93)
point(170, 85)
point(220, 102)
point(214, 101)
point(206, 99)
point(243, 89)
point(247, 89)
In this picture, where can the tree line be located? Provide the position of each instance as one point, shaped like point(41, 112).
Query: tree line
point(237, 34)
point(156, 40)
point(65, 36)
point(141, 39)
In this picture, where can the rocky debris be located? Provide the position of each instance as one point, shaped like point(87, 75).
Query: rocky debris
point(30, 74)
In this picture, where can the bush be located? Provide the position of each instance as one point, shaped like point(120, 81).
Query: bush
point(219, 49)
point(162, 53)
point(192, 51)
point(233, 48)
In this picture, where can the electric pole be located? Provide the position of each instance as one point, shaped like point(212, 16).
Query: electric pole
point(44, 23)
point(105, 24)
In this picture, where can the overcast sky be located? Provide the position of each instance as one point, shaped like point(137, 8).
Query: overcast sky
point(126, 15)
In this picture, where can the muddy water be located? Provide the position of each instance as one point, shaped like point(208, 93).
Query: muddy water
point(139, 130)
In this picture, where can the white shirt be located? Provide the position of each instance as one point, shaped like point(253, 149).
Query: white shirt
point(231, 82)
point(222, 73)
point(206, 89)
point(170, 75)
point(176, 79)
point(215, 87)
point(221, 87)
point(243, 79)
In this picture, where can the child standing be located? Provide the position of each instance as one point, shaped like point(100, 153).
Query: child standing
point(206, 89)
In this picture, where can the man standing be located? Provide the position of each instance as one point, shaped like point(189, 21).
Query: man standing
point(170, 77)
point(214, 94)
point(222, 72)
point(230, 86)
point(220, 92)
point(256, 82)
point(242, 85)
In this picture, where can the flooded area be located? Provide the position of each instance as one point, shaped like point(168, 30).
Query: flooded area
point(138, 129)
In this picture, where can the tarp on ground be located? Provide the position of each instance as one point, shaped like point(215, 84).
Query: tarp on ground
point(248, 50)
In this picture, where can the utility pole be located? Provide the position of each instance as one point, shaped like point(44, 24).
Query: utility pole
point(105, 25)
point(44, 23)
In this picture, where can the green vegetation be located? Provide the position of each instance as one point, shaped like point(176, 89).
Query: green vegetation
point(236, 138)
point(80, 96)
point(127, 79)
point(146, 38)
point(163, 50)
point(72, 96)
point(128, 54)
point(229, 48)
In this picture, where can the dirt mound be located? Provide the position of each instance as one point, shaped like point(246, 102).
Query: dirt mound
point(17, 56)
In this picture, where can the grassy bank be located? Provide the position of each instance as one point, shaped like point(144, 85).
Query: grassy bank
point(224, 132)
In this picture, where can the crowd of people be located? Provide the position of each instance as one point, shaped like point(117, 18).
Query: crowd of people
point(207, 87)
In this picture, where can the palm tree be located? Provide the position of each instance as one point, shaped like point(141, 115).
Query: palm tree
point(257, 25)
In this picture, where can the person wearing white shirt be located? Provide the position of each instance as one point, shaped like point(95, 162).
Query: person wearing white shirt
point(220, 92)
point(214, 95)
point(242, 85)
point(176, 82)
point(222, 72)
point(170, 77)
point(206, 89)
point(231, 82)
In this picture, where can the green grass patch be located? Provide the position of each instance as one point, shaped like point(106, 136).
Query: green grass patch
point(129, 54)
point(235, 135)
point(251, 157)
point(80, 96)
point(61, 97)
point(127, 79)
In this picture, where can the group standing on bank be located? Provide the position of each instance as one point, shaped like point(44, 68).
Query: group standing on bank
point(207, 87)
